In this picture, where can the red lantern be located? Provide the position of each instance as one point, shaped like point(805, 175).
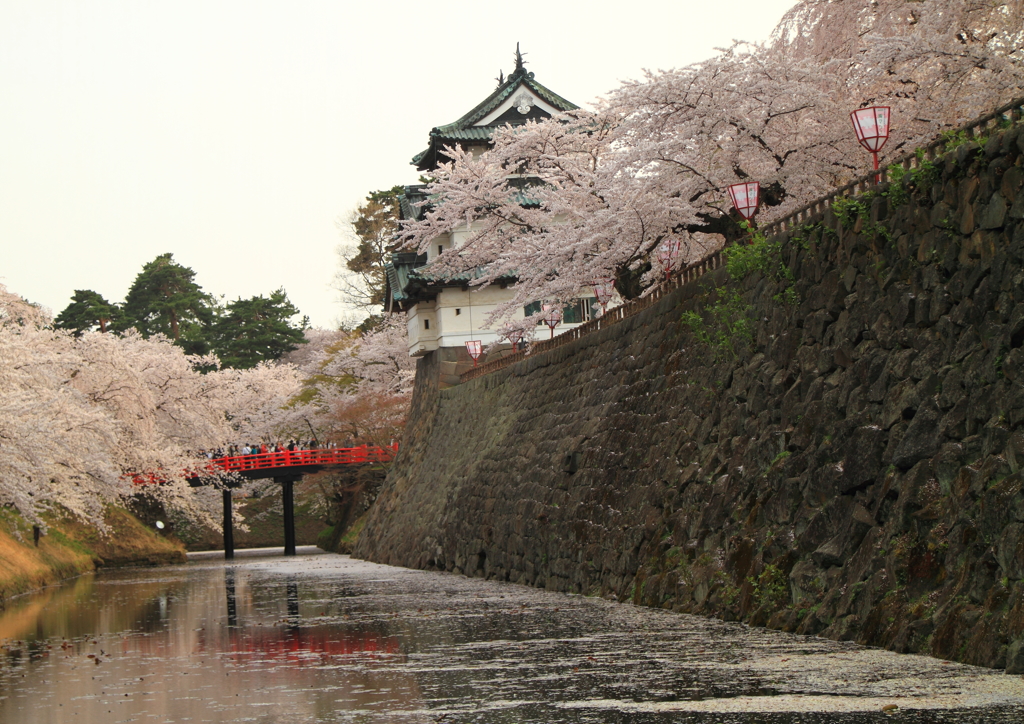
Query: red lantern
point(872, 128)
point(604, 287)
point(475, 349)
point(514, 335)
point(552, 317)
point(667, 253)
point(745, 198)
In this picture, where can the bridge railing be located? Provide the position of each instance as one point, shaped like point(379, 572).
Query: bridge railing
point(285, 459)
point(972, 131)
point(300, 458)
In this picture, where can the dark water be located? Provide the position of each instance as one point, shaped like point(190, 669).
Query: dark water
point(323, 638)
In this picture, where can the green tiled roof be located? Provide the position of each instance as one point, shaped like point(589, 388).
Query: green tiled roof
point(465, 129)
point(408, 200)
point(512, 83)
point(476, 133)
point(410, 281)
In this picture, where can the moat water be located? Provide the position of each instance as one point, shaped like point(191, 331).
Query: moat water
point(323, 638)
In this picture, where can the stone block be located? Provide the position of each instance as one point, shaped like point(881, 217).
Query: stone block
point(995, 213)
point(1011, 183)
point(921, 439)
point(1009, 551)
point(863, 459)
point(1015, 657)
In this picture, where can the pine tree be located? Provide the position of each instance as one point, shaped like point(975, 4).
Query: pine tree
point(257, 329)
point(88, 311)
point(164, 299)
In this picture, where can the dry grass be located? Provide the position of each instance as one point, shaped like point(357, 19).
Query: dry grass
point(72, 547)
point(23, 566)
point(129, 542)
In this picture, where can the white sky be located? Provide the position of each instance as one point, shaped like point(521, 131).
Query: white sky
point(235, 133)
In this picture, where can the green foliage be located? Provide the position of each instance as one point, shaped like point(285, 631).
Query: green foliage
point(731, 324)
point(87, 312)
point(897, 193)
point(760, 255)
point(729, 591)
point(164, 299)
point(788, 296)
point(850, 209)
point(258, 329)
point(375, 225)
point(953, 139)
point(903, 181)
point(802, 237)
point(770, 588)
point(777, 459)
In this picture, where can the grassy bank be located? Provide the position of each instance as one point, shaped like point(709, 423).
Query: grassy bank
point(71, 547)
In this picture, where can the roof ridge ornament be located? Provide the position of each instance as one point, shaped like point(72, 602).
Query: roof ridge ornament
point(520, 71)
point(500, 78)
point(519, 58)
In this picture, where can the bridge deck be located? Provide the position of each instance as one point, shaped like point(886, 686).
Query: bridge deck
point(297, 462)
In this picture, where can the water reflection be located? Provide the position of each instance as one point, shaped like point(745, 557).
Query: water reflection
point(326, 639)
point(229, 586)
point(292, 596)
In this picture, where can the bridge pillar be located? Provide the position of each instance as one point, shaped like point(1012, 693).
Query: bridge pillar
point(229, 529)
point(288, 497)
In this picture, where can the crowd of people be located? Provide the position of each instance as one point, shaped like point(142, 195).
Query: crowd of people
point(263, 447)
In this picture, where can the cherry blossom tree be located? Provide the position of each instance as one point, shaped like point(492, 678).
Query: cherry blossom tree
point(938, 63)
point(54, 444)
point(378, 360)
point(82, 419)
point(358, 388)
point(583, 195)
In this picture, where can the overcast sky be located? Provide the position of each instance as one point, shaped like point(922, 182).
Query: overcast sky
point(234, 134)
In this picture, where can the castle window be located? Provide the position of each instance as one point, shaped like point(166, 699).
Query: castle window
point(426, 324)
point(582, 310)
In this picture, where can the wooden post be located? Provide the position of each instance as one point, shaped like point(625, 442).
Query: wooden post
point(229, 530)
point(288, 495)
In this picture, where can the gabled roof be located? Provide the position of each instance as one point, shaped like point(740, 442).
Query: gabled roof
point(398, 271)
point(410, 202)
point(409, 280)
point(477, 126)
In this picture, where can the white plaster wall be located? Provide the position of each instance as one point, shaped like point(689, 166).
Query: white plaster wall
point(422, 339)
point(535, 100)
point(462, 314)
point(444, 240)
point(458, 315)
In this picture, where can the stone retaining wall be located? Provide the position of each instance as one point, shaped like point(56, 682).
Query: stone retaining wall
point(853, 472)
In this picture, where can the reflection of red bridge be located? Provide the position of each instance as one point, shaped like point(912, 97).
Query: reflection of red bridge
point(299, 646)
point(288, 462)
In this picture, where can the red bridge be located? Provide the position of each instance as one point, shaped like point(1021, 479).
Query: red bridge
point(285, 468)
point(299, 462)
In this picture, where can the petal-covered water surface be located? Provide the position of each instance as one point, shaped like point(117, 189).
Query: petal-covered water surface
point(324, 638)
